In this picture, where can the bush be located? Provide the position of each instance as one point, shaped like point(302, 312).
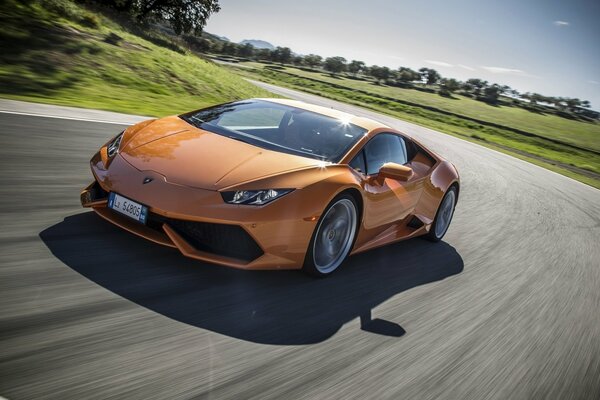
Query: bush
point(197, 43)
point(444, 92)
point(159, 40)
point(277, 67)
point(565, 114)
point(63, 8)
point(90, 21)
point(94, 49)
point(424, 89)
point(113, 38)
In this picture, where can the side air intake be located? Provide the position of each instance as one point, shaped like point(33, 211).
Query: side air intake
point(415, 223)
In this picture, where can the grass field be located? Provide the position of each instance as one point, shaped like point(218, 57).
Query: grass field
point(583, 134)
point(57, 52)
point(496, 129)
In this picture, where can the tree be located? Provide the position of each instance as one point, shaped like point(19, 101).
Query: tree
point(184, 16)
point(247, 50)
point(430, 76)
point(406, 76)
point(285, 55)
point(535, 98)
point(282, 55)
point(121, 5)
point(355, 67)
point(448, 86)
point(379, 73)
point(491, 94)
point(298, 60)
point(229, 48)
point(573, 104)
point(474, 87)
point(313, 60)
point(197, 43)
point(506, 90)
point(392, 77)
point(335, 65)
point(262, 54)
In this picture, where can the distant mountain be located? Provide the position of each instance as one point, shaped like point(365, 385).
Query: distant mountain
point(259, 44)
point(212, 36)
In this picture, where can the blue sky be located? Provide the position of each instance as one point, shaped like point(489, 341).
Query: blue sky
point(550, 47)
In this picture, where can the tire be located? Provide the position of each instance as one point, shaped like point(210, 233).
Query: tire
point(333, 237)
point(443, 216)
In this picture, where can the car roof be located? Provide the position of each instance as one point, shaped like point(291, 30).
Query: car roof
point(365, 123)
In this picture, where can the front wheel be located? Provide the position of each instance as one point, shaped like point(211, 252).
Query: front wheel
point(443, 217)
point(333, 237)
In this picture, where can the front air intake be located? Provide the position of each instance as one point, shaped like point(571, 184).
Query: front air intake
point(225, 240)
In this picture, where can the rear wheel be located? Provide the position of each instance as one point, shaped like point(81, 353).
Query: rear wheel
point(443, 217)
point(333, 237)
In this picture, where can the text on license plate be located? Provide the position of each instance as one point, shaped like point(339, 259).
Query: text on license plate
point(127, 207)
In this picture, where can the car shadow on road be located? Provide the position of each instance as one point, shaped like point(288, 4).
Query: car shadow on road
point(271, 307)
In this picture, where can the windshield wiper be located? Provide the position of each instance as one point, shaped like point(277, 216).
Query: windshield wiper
point(196, 119)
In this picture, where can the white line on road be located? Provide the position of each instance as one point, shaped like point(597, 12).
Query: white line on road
point(69, 118)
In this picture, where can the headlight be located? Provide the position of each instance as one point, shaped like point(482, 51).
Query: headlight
point(253, 197)
point(112, 148)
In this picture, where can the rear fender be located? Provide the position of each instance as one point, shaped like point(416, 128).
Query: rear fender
point(443, 176)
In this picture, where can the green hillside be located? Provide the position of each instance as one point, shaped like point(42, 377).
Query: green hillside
point(566, 146)
point(59, 52)
point(54, 51)
point(585, 134)
point(579, 133)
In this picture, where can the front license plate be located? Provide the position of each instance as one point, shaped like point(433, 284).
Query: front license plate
point(127, 207)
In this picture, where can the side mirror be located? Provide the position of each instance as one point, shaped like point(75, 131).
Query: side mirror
point(395, 171)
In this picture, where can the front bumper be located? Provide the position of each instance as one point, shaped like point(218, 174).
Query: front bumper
point(200, 225)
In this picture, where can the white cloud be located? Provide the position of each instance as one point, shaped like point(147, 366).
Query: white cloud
point(466, 67)
point(594, 82)
point(439, 63)
point(506, 71)
point(561, 23)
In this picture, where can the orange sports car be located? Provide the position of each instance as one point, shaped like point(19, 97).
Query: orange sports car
point(271, 184)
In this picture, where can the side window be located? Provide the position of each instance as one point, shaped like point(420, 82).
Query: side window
point(382, 149)
point(358, 162)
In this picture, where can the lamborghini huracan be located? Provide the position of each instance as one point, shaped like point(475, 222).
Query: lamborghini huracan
point(272, 184)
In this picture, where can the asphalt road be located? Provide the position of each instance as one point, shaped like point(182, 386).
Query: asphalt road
point(507, 307)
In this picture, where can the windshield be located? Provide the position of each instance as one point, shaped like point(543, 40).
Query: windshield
point(279, 127)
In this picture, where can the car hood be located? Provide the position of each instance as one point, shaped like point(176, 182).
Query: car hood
point(193, 157)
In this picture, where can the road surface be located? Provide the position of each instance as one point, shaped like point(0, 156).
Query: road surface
point(506, 307)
